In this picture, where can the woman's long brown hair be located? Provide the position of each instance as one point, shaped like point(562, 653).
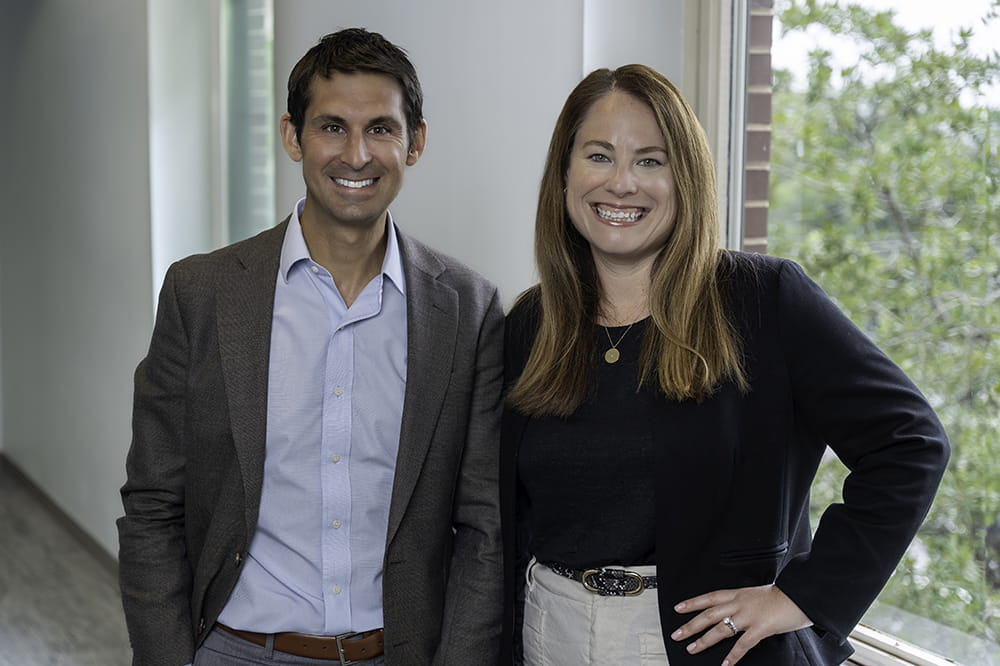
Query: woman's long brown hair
point(691, 345)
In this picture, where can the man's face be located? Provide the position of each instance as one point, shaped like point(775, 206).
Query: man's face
point(354, 147)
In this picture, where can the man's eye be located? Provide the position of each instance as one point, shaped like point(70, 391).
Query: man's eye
point(332, 129)
point(380, 130)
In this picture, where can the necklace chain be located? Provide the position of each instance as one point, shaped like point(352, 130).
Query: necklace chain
point(612, 355)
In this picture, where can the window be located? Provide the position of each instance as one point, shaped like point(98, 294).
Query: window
point(885, 186)
point(250, 124)
point(211, 124)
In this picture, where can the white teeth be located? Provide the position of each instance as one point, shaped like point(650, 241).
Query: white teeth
point(355, 184)
point(618, 215)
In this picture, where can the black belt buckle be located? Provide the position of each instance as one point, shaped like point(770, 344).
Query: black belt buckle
point(613, 582)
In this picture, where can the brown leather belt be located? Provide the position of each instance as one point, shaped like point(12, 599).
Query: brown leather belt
point(345, 648)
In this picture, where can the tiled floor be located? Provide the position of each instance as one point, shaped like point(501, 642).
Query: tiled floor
point(59, 603)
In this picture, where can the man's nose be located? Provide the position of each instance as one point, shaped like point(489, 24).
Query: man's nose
point(356, 153)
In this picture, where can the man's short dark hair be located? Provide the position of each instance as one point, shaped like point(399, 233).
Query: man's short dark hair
point(351, 51)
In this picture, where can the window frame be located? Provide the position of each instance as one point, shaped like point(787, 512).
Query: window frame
point(716, 82)
point(878, 648)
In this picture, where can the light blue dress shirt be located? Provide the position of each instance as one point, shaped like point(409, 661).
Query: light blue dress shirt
point(336, 379)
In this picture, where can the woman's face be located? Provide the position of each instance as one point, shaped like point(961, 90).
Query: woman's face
point(619, 188)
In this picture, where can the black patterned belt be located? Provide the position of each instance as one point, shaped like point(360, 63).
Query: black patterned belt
point(605, 581)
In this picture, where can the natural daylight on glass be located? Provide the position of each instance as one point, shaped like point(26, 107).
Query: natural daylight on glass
point(884, 186)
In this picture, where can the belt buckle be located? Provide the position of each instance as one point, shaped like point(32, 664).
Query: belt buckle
point(340, 646)
point(625, 575)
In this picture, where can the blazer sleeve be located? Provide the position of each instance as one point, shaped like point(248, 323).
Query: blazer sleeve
point(473, 597)
point(850, 394)
point(520, 330)
point(154, 573)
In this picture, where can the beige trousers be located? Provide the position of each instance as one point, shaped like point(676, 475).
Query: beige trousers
point(564, 623)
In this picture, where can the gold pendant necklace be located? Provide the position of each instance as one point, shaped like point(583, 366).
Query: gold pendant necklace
point(612, 355)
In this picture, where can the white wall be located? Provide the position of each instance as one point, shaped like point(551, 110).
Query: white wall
point(622, 32)
point(75, 246)
point(186, 180)
point(79, 215)
point(495, 75)
point(11, 17)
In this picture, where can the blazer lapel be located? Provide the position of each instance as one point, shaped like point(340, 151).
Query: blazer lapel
point(696, 462)
point(432, 328)
point(244, 311)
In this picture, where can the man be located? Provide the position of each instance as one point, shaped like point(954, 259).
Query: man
point(315, 424)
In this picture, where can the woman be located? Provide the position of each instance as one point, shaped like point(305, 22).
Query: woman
point(669, 402)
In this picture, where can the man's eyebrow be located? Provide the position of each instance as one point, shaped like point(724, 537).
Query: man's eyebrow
point(385, 120)
point(328, 118)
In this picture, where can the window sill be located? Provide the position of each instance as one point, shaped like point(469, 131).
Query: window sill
point(874, 648)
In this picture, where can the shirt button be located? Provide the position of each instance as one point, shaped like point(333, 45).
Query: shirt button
point(338, 391)
point(315, 269)
point(335, 457)
point(336, 589)
point(337, 524)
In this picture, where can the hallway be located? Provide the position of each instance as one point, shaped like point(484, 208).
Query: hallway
point(59, 603)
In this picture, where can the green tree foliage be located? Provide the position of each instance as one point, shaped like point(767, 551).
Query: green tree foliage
point(884, 186)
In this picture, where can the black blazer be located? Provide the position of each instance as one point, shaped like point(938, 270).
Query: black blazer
point(734, 471)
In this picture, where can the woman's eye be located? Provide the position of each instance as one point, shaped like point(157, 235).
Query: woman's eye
point(650, 162)
point(598, 157)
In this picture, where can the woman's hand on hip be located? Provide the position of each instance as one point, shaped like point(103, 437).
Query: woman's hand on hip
point(752, 613)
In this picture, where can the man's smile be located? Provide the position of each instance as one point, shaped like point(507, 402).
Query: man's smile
point(355, 184)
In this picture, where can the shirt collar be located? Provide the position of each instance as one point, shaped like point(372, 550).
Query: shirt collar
point(294, 249)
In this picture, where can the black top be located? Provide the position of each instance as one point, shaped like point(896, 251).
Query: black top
point(588, 479)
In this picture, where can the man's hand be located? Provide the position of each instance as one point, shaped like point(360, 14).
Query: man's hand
point(752, 612)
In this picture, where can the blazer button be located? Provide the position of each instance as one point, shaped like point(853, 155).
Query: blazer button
point(201, 625)
point(238, 559)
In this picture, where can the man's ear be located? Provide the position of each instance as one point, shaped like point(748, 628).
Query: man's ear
point(290, 139)
point(417, 144)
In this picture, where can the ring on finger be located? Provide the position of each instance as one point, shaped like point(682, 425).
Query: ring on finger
point(728, 621)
